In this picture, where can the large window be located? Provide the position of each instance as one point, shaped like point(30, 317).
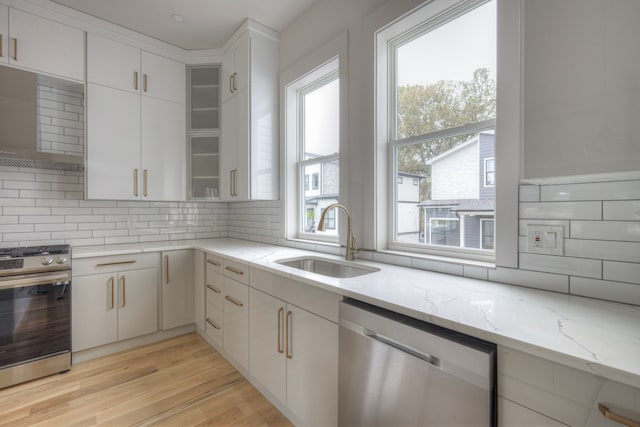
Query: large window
point(313, 106)
point(439, 67)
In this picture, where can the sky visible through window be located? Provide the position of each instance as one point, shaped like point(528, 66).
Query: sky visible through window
point(455, 50)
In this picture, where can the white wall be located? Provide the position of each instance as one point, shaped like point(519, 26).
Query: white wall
point(582, 87)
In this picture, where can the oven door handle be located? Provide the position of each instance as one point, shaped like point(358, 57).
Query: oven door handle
point(22, 281)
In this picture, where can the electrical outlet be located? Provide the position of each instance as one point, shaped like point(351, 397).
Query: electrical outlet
point(545, 239)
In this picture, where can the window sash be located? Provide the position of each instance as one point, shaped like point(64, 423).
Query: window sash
point(302, 221)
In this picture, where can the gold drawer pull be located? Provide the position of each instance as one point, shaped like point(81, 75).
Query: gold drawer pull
point(106, 264)
point(234, 270)
point(211, 322)
point(135, 80)
point(15, 49)
point(112, 293)
point(0, 45)
point(280, 316)
point(216, 290)
point(212, 262)
point(234, 301)
point(289, 335)
point(124, 291)
point(617, 418)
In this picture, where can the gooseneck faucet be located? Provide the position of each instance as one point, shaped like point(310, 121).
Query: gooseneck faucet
point(351, 241)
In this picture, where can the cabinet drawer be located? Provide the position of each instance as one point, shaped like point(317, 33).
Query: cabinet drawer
point(214, 263)
point(237, 271)
point(317, 301)
point(214, 324)
point(113, 263)
point(235, 293)
point(215, 289)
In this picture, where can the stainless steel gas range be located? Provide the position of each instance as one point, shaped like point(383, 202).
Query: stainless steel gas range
point(35, 312)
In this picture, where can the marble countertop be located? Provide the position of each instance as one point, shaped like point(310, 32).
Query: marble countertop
point(595, 336)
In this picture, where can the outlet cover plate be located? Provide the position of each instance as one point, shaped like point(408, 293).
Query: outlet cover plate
point(545, 239)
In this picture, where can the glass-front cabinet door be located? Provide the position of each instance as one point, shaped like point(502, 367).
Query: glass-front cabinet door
point(204, 132)
point(204, 166)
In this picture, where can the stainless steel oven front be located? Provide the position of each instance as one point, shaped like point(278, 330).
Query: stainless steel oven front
point(35, 316)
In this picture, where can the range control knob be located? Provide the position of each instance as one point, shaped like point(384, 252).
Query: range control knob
point(61, 260)
point(47, 261)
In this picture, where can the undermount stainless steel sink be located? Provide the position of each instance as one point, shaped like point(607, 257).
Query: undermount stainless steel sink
point(328, 267)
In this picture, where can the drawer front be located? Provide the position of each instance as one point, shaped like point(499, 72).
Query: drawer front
point(214, 324)
point(236, 295)
point(317, 301)
point(114, 263)
point(215, 289)
point(236, 321)
point(214, 263)
point(235, 270)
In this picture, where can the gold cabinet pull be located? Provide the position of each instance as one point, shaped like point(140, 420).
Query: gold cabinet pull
point(106, 264)
point(166, 269)
point(235, 80)
point(214, 289)
point(280, 315)
point(145, 180)
point(145, 79)
point(231, 83)
point(234, 270)
point(135, 182)
point(288, 335)
point(233, 301)
point(113, 304)
point(15, 49)
point(1, 54)
point(135, 80)
point(212, 262)
point(617, 418)
point(124, 291)
point(231, 183)
point(212, 323)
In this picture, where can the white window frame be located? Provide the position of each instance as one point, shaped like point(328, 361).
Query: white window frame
point(508, 128)
point(330, 57)
point(486, 184)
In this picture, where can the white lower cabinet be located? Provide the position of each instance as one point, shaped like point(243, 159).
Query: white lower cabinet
point(538, 392)
point(214, 287)
point(294, 353)
point(177, 288)
point(199, 292)
point(235, 333)
point(114, 306)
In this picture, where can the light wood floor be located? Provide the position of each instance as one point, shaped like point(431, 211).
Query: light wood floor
point(178, 382)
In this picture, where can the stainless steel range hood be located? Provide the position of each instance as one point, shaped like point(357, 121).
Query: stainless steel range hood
point(19, 125)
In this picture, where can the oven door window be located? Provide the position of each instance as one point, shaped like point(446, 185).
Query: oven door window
point(35, 322)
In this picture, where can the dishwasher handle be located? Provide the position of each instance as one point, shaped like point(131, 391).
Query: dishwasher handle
point(433, 360)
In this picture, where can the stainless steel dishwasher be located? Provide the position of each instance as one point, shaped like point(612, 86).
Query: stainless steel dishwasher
point(398, 371)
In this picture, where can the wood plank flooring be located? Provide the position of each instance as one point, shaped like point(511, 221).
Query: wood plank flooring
point(178, 382)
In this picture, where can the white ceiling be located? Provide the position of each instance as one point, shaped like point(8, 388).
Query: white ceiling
point(206, 24)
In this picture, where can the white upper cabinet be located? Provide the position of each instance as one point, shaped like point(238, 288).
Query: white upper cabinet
point(120, 66)
point(164, 155)
point(42, 45)
point(4, 34)
point(113, 64)
point(249, 146)
point(163, 78)
point(235, 68)
point(136, 124)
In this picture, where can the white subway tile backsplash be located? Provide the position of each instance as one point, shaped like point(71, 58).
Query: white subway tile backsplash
point(41, 219)
point(36, 194)
point(602, 289)
point(529, 193)
point(628, 210)
point(605, 250)
point(531, 279)
point(56, 227)
point(614, 190)
point(11, 210)
point(621, 271)
point(26, 185)
point(12, 202)
point(562, 265)
point(628, 231)
point(561, 210)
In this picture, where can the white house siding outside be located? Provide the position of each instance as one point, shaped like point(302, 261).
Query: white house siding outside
point(462, 208)
point(408, 196)
point(321, 189)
